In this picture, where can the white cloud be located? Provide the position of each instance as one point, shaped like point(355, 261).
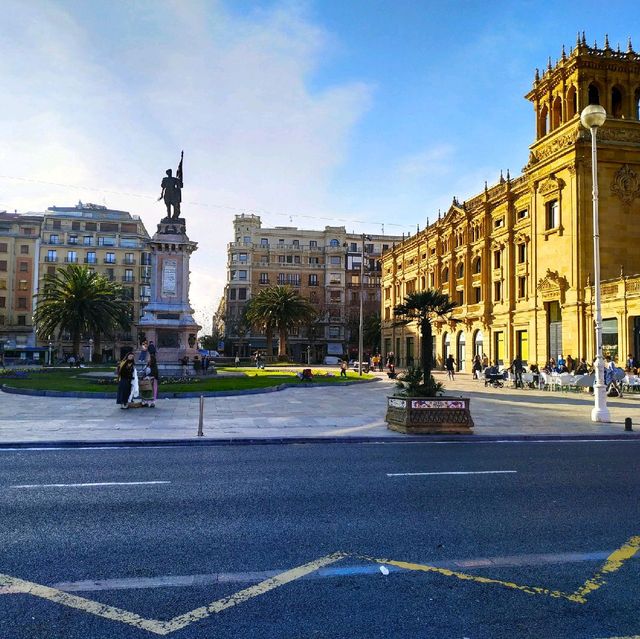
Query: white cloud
point(434, 161)
point(108, 104)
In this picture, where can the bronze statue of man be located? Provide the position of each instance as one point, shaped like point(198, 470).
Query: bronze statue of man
point(171, 191)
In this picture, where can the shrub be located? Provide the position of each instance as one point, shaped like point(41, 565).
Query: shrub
point(411, 384)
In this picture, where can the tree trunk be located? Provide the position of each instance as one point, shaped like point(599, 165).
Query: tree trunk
point(282, 343)
point(426, 348)
point(269, 335)
point(75, 338)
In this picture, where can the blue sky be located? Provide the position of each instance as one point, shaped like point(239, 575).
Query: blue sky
point(307, 113)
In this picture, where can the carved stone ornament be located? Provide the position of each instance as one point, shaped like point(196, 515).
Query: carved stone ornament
point(561, 143)
point(552, 286)
point(618, 135)
point(626, 184)
point(550, 185)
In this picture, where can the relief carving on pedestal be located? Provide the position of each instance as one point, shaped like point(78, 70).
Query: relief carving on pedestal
point(626, 184)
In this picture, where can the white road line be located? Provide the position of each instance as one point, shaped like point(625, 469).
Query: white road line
point(455, 472)
point(95, 484)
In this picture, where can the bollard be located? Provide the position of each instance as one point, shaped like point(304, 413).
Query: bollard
point(201, 417)
point(628, 424)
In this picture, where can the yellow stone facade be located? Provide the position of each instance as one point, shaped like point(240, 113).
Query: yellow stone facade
point(518, 257)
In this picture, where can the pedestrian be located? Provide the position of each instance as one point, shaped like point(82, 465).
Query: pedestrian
point(343, 368)
point(477, 367)
point(197, 364)
point(380, 366)
point(185, 365)
point(485, 361)
point(142, 357)
point(517, 368)
point(126, 371)
point(237, 361)
point(154, 375)
point(450, 364)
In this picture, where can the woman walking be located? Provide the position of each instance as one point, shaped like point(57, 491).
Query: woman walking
point(126, 371)
point(450, 364)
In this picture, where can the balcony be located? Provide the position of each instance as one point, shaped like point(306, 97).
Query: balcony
point(145, 299)
point(108, 260)
point(128, 278)
point(129, 262)
point(70, 260)
point(50, 258)
point(145, 279)
point(90, 260)
point(263, 282)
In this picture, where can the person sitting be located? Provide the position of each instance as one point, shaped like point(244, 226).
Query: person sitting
point(582, 368)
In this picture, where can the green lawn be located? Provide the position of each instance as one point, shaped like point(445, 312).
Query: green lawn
point(72, 380)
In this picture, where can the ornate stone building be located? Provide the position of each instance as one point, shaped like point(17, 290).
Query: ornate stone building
point(518, 257)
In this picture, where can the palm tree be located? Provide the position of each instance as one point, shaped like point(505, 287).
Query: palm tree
point(77, 300)
point(279, 308)
point(422, 307)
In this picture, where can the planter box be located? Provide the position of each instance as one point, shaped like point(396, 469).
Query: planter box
point(429, 415)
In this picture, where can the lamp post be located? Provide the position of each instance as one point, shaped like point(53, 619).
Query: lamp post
point(592, 117)
point(361, 322)
point(50, 345)
point(90, 350)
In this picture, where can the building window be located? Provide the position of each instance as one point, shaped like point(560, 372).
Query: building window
point(334, 243)
point(22, 320)
point(313, 243)
point(264, 278)
point(497, 258)
point(264, 242)
point(445, 276)
point(110, 258)
point(281, 279)
point(497, 291)
point(243, 258)
point(27, 230)
point(3, 302)
point(54, 239)
point(3, 247)
point(553, 214)
point(522, 253)
point(24, 266)
point(314, 261)
point(24, 249)
point(87, 240)
point(296, 243)
point(335, 296)
point(106, 240)
point(128, 275)
point(22, 302)
point(129, 258)
point(334, 332)
point(336, 260)
point(51, 256)
point(460, 299)
point(23, 285)
point(90, 226)
point(56, 224)
point(313, 280)
point(232, 294)
point(460, 271)
point(242, 275)
point(499, 223)
point(289, 259)
point(296, 259)
point(477, 265)
point(522, 214)
point(72, 239)
point(353, 247)
point(522, 287)
point(72, 257)
point(522, 345)
point(242, 293)
point(477, 294)
point(246, 240)
point(281, 259)
point(334, 278)
point(91, 257)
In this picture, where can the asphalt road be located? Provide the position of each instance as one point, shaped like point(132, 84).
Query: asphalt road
point(299, 541)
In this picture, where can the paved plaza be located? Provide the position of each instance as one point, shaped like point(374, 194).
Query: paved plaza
point(304, 412)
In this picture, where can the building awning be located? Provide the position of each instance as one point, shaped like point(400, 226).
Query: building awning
point(334, 349)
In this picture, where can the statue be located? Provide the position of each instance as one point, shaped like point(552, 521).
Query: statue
point(171, 191)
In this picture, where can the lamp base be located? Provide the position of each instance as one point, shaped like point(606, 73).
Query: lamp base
point(600, 412)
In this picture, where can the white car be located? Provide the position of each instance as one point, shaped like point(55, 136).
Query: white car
point(365, 367)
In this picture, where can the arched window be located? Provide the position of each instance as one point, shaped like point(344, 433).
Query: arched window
point(478, 345)
point(334, 243)
point(572, 102)
point(556, 114)
point(616, 103)
point(460, 271)
point(544, 121)
point(594, 94)
point(477, 265)
point(446, 345)
point(445, 275)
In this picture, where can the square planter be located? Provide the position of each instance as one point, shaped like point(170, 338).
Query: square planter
point(429, 415)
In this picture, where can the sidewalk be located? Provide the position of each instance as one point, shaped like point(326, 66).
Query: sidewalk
point(308, 412)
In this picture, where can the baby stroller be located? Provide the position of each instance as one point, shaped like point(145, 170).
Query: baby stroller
point(146, 392)
point(492, 377)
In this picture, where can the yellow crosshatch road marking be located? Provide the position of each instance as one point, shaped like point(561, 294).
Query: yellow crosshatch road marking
point(14, 585)
point(613, 563)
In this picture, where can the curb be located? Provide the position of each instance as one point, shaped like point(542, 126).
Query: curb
point(10, 390)
point(267, 441)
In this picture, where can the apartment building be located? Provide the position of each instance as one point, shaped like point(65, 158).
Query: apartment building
point(323, 265)
point(518, 257)
point(19, 246)
point(110, 242)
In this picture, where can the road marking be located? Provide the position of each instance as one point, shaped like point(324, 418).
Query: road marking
point(614, 562)
point(454, 472)
point(20, 586)
point(94, 484)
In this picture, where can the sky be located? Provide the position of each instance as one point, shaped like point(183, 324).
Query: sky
point(370, 114)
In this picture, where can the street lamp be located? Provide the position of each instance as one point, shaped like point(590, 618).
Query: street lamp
point(50, 345)
point(90, 350)
point(592, 117)
point(361, 324)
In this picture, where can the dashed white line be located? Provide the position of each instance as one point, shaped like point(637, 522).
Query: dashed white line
point(93, 484)
point(455, 472)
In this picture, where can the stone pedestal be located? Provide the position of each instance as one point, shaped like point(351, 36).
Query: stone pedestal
point(168, 318)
